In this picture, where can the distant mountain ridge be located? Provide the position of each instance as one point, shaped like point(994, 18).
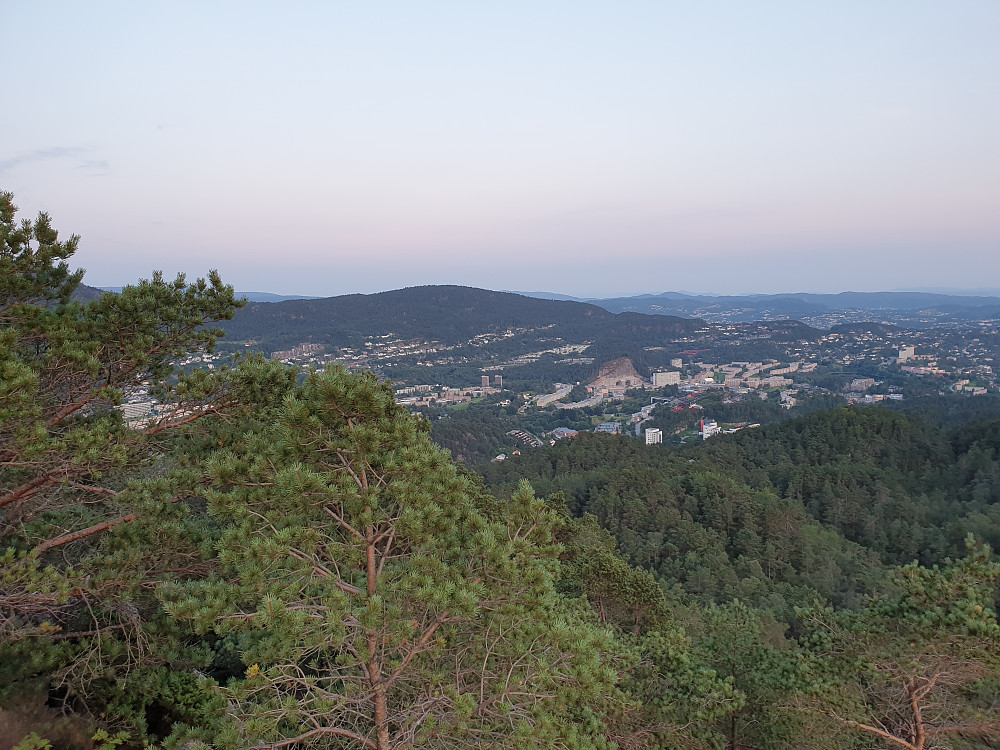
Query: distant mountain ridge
point(448, 314)
point(86, 293)
point(813, 308)
point(413, 313)
point(895, 299)
point(839, 301)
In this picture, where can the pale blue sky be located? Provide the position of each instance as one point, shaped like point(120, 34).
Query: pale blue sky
point(578, 147)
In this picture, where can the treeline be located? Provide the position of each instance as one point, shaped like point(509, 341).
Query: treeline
point(476, 433)
point(278, 559)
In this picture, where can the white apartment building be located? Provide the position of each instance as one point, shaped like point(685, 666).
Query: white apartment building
point(661, 379)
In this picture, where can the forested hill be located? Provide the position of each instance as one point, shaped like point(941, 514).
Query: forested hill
point(769, 514)
point(886, 480)
point(448, 314)
point(86, 293)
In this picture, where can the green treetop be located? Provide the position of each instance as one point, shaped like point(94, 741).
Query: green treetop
point(68, 607)
point(918, 669)
point(373, 605)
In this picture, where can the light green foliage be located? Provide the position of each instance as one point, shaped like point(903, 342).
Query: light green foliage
point(66, 365)
point(680, 700)
point(620, 594)
point(33, 742)
point(33, 267)
point(372, 604)
point(105, 741)
point(918, 668)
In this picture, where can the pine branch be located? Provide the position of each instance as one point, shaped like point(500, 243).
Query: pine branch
point(59, 541)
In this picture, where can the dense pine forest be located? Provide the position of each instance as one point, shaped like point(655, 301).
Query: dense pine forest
point(279, 559)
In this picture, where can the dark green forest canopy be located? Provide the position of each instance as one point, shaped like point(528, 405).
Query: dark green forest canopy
point(886, 480)
point(696, 527)
point(817, 502)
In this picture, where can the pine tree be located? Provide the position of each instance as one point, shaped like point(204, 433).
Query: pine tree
point(732, 641)
point(917, 669)
point(676, 695)
point(75, 607)
point(373, 605)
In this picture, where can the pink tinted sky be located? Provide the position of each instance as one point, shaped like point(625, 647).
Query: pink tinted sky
point(593, 149)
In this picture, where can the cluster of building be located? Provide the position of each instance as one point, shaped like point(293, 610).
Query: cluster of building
point(663, 379)
point(527, 438)
point(140, 410)
point(559, 351)
point(619, 376)
point(302, 350)
point(710, 427)
point(964, 386)
point(749, 375)
point(439, 395)
point(856, 392)
point(981, 371)
point(136, 410)
point(384, 350)
point(873, 398)
point(560, 433)
point(205, 359)
point(139, 407)
point(931, 369)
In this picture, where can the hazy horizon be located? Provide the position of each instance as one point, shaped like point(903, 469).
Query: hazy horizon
point(980, 292)
point(326, 149)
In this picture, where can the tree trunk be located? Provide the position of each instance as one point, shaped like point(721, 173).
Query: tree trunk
point(375, 664)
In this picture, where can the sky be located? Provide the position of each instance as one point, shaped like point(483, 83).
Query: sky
point(592, 149)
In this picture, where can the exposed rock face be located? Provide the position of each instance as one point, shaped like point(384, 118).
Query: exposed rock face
point(618, 374)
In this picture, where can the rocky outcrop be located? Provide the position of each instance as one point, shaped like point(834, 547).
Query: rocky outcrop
point(616, 375)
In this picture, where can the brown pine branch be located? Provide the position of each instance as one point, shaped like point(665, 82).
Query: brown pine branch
point(196, 414)
point(95, 490)
point(68, 410)
point(343, 524)
point(874, 730)
point(26, 490)
point(74, 536)
point(324, 571)
point(417, 648)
